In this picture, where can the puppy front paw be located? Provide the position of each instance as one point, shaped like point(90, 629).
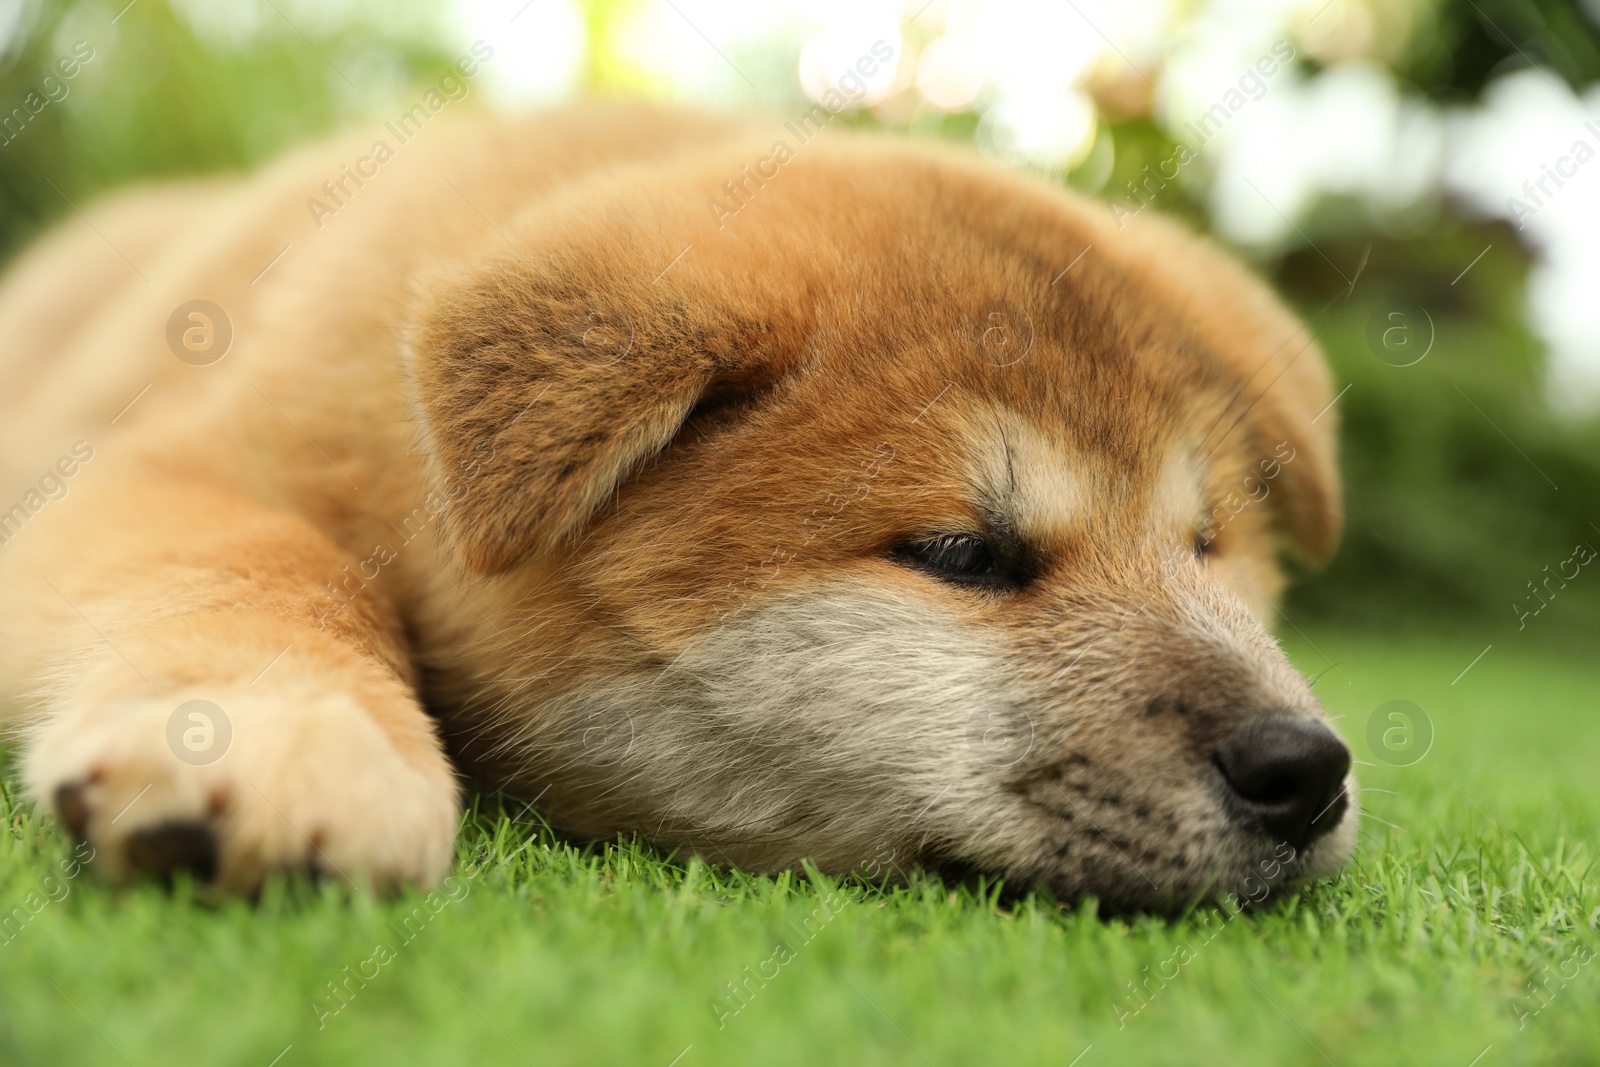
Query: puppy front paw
point(234, 785)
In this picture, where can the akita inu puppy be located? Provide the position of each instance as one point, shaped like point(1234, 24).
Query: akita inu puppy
point(856, 501)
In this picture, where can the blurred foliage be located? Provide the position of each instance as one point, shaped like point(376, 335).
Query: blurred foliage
point(1462, 485)
point(156, 100)
point(1473, 41)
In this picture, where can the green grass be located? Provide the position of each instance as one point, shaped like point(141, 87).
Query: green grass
point(613, 955)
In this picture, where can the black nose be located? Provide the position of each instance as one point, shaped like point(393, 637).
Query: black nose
point(1288, 777)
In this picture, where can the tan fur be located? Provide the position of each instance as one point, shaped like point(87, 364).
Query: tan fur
point(527, 436)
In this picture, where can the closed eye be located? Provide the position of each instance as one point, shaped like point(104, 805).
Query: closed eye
point(962, 559)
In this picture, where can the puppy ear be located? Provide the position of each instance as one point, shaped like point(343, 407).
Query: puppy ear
point(1312, 512)
point(1283, 410)
point(543, 385)
point(1283, 381)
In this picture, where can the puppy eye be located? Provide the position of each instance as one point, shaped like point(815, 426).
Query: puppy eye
point(1204, 547)
point(964, 559)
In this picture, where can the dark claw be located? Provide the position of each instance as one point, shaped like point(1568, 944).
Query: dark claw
point(169, 847)
point(73, 810)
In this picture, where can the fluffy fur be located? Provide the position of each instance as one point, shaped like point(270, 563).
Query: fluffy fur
point(528, 466)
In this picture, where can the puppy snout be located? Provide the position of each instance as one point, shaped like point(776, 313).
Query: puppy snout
point(1287, 777)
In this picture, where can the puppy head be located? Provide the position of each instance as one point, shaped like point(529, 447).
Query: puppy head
point(860, 529)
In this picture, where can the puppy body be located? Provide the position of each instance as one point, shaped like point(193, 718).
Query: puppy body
point(531, 462)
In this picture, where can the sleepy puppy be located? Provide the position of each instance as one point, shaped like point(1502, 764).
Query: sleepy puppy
point(858, 501)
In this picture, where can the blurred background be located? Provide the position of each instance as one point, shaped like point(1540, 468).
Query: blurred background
point(1420, 177)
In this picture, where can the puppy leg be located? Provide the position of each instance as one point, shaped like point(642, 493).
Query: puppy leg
point(195, 706)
